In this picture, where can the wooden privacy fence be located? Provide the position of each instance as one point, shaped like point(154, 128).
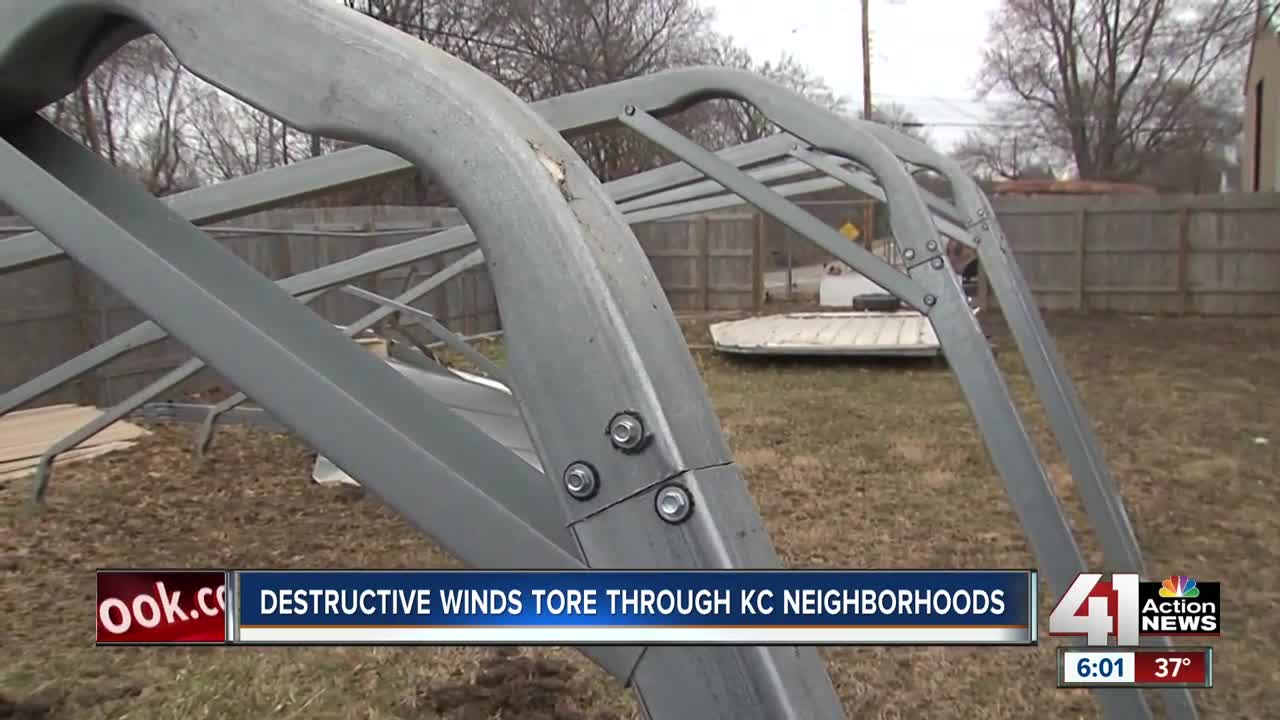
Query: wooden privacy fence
point(1164, 254)
point(785, 247)
point(1210, 255)
point(1186, 254)
point(52, 313)
point(710, 262)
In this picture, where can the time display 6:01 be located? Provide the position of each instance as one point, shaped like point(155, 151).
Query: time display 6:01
point(1097, 667)
point(1102, 667)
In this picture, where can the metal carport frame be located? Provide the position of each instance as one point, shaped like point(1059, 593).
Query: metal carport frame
point(555, 237)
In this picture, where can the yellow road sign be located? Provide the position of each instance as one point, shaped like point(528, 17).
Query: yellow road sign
point(850, 231)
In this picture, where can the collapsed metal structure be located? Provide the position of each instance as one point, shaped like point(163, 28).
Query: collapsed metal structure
point(632, 470)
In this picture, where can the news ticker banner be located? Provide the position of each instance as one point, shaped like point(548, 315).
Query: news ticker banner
point(597, 607)
point(1140, 667)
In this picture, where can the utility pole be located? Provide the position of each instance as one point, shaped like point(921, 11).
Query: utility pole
point(866, 60)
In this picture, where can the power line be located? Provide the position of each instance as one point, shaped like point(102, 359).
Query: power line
point(962, 111)
point(1006, 106)
point(954, 103)
point(943, 98)
point(997, 125)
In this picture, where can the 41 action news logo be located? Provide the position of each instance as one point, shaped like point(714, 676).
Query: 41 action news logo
point(1127, 608)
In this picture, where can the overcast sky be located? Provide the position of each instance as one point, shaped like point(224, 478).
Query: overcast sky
point(925, 53)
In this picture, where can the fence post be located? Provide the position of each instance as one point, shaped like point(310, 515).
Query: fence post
point(471, 323)
point(369, 244)
point(282, 254)
point(702, 232)
point(1081, 220)
point(786, 236)
point(869, 224)
point(984, 288)
point(90, 389)
point(757, 265)
point(1184, 260)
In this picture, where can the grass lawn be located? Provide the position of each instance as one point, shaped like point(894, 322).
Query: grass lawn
point(853, 464)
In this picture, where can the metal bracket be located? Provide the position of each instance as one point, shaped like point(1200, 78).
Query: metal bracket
point(433, 326)
point(204, 434)
point(192, 412)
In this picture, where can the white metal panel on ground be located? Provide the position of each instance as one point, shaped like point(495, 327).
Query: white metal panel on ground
point(904, 333)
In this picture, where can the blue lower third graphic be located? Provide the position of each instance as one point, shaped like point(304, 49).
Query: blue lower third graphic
point(603, 607)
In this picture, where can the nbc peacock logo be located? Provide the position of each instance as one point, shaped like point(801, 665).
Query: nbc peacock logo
point(1178, 605)
point(1179, 586)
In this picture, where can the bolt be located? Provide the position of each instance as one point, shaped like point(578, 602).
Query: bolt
point(630, 109)
point(986, 226)
point(674, 504)
point(909, 254)
point(626, 431)
point(931, 246)
point(581, 481)
point(930, 300)
point(936, 264)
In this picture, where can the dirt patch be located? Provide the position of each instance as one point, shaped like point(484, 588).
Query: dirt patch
point(853, 464)
point(25, 709)
point(509, 685)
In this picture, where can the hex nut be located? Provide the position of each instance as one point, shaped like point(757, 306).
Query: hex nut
point(674, 504)
point(581, 481)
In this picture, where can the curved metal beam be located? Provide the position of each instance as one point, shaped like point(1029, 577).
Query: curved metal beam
point(1066, 413)
point(554, 234)
point(784, 211)
point(1067, 417)
point(669, 92)
point(1007, 439)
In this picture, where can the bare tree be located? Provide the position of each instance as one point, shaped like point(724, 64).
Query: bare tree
point(133, 110)
point(1005, 156)
point(572, 45)
point(230, 138)
point(729, 122)
point(1195, 161)
point(1110, 84)
point(144, 113)
point(542, 48)
point(162, 160)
